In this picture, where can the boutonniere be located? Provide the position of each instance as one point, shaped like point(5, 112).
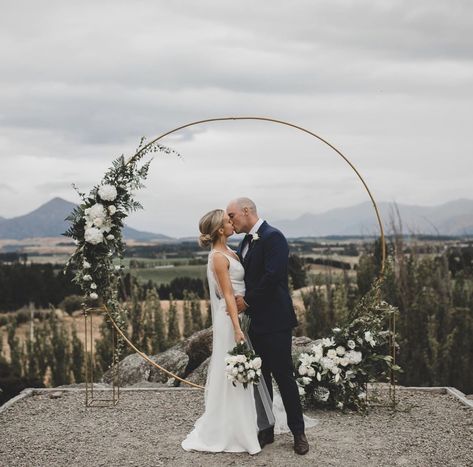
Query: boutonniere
point(255, 237)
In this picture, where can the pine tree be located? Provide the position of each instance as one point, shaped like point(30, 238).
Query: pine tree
point(158, 342)
point(173, 326)
point(136, 314)
point(60, 353)
point(15, 351)
point(77, 356)
point(196, 313)
point(188, 325)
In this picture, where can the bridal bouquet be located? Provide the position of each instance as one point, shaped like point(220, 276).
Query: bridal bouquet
point(243, 366)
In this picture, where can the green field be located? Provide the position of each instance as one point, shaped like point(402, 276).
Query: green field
point(165, 276)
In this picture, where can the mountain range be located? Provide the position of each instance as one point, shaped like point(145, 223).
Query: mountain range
point(454, 218)
point(48, 221)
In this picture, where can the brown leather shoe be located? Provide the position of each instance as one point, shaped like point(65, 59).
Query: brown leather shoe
point(301, 445)
point(265, 437)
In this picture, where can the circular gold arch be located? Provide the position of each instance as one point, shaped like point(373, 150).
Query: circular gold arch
point(265, 119)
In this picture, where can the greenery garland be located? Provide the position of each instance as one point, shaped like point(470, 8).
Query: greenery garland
point(96, 227)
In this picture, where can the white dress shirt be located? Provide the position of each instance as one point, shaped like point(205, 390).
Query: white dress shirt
point(253, 230)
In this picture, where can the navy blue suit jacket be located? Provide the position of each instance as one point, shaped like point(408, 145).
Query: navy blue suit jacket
point(266, 282)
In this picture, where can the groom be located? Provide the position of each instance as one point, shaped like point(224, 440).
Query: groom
point(264, 254)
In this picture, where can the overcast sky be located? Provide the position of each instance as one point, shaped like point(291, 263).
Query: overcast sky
point(389, 83)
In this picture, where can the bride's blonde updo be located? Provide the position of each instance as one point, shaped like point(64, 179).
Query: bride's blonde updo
point(209, 225)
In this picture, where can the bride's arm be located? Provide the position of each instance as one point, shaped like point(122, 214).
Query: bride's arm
point(221, 265)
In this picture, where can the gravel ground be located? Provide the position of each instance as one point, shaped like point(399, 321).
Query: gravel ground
point(146, 428)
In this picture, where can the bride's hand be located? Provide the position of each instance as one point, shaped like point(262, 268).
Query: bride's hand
point(239, 336)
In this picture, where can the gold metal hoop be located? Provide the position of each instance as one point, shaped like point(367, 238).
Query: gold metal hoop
point(265, 119)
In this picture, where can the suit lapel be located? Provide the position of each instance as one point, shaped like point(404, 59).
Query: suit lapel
point(252, 244)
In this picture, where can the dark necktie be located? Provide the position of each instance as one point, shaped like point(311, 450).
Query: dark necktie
point(246, 241)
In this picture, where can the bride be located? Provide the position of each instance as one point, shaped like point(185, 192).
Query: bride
point(229, 422)
point(233, 416)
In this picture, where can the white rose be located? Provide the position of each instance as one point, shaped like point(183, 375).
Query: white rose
point(234, 371)
point(328, 342)
point(93, 296)
point(335, 370)
point(258, 371)
point(93, 285)
point(351, 344)
point(240, 378)
point(251, 374)
point(96, 211)
point(302, 370)
point(340, 350)
point(107, 192)
point(344, 361)
point(331, 353)
point(112, 209)
point(256, 363)
point(326, 362)
point(310, 371)
point(93, 236)
point(98, 221)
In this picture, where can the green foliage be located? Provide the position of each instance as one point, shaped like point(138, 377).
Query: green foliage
point(188, 327)
point(96, 227)
point(77, 356)
point(158, 341)
point(297, 272)
point(173, 328)
point(60, 355)
point(71, 303)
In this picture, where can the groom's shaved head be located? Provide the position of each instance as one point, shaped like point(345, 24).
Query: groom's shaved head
point(242, 213)
point(243, 203)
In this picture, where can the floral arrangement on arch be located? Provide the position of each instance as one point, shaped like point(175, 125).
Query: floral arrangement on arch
point(96, 228)
point(336, 371)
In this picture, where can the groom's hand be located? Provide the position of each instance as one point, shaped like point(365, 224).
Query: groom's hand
point(241, 304)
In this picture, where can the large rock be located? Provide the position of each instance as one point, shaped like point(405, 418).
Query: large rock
point(199, 375)
point(181, 359)
point(173, 360)
point(188, 359)
point(132, 369)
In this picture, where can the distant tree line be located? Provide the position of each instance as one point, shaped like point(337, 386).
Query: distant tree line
point(56, 356)
point(42, 284)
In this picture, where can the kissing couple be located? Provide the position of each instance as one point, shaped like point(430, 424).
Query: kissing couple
point(252, 281)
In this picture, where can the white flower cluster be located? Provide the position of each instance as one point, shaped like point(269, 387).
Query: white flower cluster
point(243, 369)
point(98, 223)
point(326, 362)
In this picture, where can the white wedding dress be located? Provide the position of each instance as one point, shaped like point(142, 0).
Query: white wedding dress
point(229, 422)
